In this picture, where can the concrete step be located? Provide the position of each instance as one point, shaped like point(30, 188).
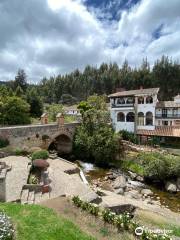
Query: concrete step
point(38, 197)
point(31, 197)
point(24, 196)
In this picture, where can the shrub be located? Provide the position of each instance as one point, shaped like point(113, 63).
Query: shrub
point(45, 137)
point(6, 227)
point(21, 152)
point(42, 154)
point(4, 142)
point(129, 136)
point(33, 179)
point(160, 166)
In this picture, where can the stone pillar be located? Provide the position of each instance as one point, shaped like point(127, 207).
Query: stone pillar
point(60, 119)
point(3, 185)
point(136, 114)
point(44, 118)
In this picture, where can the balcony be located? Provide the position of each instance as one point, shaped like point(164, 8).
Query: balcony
point(122, 105)
point(168, 116)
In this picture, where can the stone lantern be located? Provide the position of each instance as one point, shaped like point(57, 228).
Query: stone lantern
point(60, 119)
point(44, 118)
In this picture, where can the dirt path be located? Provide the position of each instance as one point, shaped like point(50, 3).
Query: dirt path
point(87, 223)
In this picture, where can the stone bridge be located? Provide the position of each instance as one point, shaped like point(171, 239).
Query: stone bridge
point(56, 136)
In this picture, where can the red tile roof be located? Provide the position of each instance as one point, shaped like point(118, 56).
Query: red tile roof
point(164, 131)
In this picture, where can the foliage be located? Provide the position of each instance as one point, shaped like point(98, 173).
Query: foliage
point(35, 222)
point(14, 111)
point(6, 227)
point(132, 165)
point(41, 154)
point(45, 137)
point(33, 179)
point(160, 166)
point(21, 152)
point(122, 221)
point(4, 142)
point(95, 139)
point(53, 110)
point(165, 74)
point(68, 99)
point(129, 136)
point(21, 80)
point(35, 102)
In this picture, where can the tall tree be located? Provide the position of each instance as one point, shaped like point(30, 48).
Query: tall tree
point(21, 80)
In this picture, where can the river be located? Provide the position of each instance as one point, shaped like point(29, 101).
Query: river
point(93, 172)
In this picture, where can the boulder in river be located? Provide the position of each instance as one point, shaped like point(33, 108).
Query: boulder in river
point(146, 192)
point(120, 182)
point(132, 175)
point(120, 191)
point(171, 187)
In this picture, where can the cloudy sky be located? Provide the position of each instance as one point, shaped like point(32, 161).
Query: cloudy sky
point(47, 37)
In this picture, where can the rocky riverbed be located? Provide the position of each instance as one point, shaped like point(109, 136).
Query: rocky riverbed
point(129, 185)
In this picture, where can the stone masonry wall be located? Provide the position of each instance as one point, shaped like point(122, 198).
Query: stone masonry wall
point(36, 135)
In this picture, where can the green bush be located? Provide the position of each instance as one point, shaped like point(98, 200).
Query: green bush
point(129, 136)
point(4, 142)
point(160, 166)
point(21, 152)
point(42, 154)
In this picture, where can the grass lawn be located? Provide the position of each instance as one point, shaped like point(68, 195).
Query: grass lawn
point(33, 222)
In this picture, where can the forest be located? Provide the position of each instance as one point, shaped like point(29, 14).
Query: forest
point(108, 78)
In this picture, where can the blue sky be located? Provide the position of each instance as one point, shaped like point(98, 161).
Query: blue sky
point(48, 37)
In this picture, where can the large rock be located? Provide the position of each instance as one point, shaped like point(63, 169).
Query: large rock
point(147, 192)
point(120, 182)
point(136, 184)
point(171, 187)
point(91, 197)
point(140, 179)
point(120, 191)
point(132, 175)
point(133, 194)
point(119, 209)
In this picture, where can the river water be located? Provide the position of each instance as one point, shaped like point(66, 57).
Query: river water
point(93, 172)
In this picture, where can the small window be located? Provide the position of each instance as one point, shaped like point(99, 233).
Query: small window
point(140, 100)
point(149, 100)
point(120, 117)
point(141, 119)
point(130, 117)
point(149, 119)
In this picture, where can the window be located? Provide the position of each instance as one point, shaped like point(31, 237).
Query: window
point(141, 119)
point(149, 100)
point(130, 117)
point(121, 101)
point(140, 100)
point(130, 100)
point(120, 117)
point(165, 123)
point(149, 119)
point(164, 112)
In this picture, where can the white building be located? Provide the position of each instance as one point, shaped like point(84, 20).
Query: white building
point(139, 111)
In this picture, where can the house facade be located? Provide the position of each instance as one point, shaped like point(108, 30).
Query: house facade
point(139, 111)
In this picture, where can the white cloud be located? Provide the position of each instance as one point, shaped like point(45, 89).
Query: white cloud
point(47, 37)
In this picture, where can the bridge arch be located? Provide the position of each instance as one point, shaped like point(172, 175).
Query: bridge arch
point(61, 142)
